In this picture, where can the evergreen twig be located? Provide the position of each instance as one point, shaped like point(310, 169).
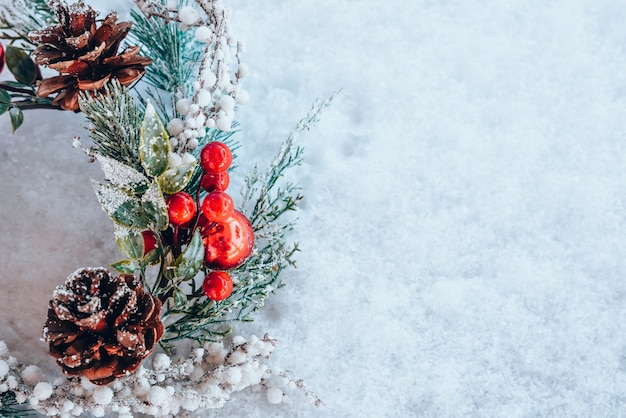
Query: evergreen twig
point(19, 17)
point(115, 122)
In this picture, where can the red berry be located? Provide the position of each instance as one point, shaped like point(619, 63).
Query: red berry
point(181, 208)
point(217, 206)
point(149, 241)
point(228, 244)
point(215, 182)
point(215, 157)
point(217, 285)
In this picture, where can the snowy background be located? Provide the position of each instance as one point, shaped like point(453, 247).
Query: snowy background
point(463, 234)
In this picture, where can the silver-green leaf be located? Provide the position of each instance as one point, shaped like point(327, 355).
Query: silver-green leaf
point(154, 144)
point(190, 261)
point(175, 179)
point(122, 175)
point(130, 242)
point(125, 267)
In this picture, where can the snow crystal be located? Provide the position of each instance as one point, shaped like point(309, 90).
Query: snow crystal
point(42, 391)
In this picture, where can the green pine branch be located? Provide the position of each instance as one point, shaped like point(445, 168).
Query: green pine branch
point(114, 124)
point(9, 408)
point(19, 17)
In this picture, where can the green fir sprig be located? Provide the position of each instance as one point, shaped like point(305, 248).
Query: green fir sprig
point(10, 408)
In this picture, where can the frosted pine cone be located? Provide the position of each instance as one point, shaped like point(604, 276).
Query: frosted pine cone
point(102, 327)
point(85, 56)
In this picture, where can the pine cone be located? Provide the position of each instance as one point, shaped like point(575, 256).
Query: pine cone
point(86, 56)
point(102, 327)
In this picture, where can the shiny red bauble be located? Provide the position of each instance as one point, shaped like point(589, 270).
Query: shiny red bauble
point(215, 182)
point(149, 241)
point(217, 206)
point(1, 57)
point(217, 285)
point(215, 157)
point(181, 208)
point(228, 244)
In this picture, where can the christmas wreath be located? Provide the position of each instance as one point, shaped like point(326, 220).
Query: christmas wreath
point(159, 94)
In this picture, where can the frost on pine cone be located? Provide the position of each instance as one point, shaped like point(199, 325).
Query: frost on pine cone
point(102, 327)
point(85, 56)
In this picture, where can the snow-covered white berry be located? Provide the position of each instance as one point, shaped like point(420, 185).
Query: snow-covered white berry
point(274, 395)
point(193, 143)
point(4, 369)
point(182, 106)
point(204, 98)
point(175, 126)
point(227, 103)
point(157, 395)
point(204, 34)
point(31, 375)
point(210, 123)
point(188, 158)
point(175, 160)
point(42, 391)
point(208, 77)
point(188, 15)
point(103, 395)
point(161, 361)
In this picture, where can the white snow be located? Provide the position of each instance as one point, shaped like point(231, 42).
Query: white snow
point(463, 237)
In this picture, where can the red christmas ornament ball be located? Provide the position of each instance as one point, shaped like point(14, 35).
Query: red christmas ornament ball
point(217, 206)
point(181, 208)
point(149, 241)
point(215, 182)
point(217, 285)
point(228, 244)
point(215, 157)
point(1, 57)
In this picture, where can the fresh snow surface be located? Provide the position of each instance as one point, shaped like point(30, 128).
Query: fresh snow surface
point(463, 236)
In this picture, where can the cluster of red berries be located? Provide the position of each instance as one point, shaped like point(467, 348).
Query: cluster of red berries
point(226, 233)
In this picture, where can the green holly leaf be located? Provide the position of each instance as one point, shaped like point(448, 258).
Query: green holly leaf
point(151, 258)
point(5, 97)
point(21, 65)
point(125, 267)
point(175, 179)
point(130, 241)
point(188, 264)
point(155, 207)
point(124, 209)
point(154, 144)
point(17, 118)
point(130, 211)
point(123, 176)
point(5, 101)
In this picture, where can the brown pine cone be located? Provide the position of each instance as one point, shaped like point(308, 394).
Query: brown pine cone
point(102, 327)
point(86, 56)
